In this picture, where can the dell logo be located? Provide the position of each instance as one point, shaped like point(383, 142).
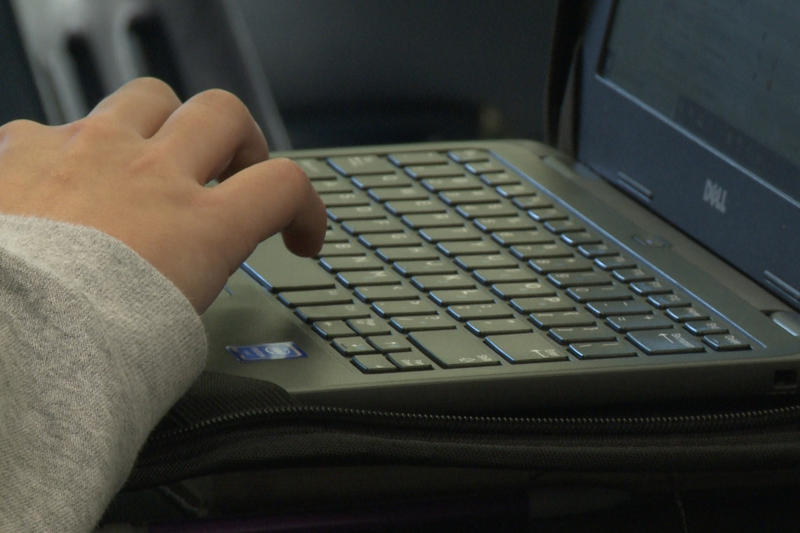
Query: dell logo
point(715, 196)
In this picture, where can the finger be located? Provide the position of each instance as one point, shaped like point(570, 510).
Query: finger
point(211, 134)
point(274, 196)
point(143, 104)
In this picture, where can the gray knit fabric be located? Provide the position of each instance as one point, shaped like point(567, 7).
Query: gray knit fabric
point(95, 345)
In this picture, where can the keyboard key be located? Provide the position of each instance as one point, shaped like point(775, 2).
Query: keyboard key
point(406, 253)
point(503, 275)
point(522, 290)
point(331, 312)
point(517, 223)
point(380, 181)
point(364, 227)
point(447, 298)
point(601, 350)
point(684, 314)
point(434, 220)
point(451, 183)
point(465, 233)
point(390, 343)
point(581, 334)
point(340, 249)
point(362, 212)
point(638, 322)
point(408, 207)
point(619, 308)
point(367, 278)
point(665, 342)
point(499, 209)
point(350, 264)
point(547, 213)
point(663, 301)
point(398, 193)
point(499, 326)
point(386, 292)
point(542, 304)
point(532, 202)
point(384, 240)
point(454, 351)
point(369, 326)
point(539, 251)
point(433, 171)
point(493, 179)
point(374, 364)
point(417, 268)
point(517, 189)
point(526, 348)
point(468, 155)
point(560, 227)
point(350, 346)
point(564, 280)
point(705, 328)
point(315, 297)
point(406, 324)
point(410, 360)
point(315, 169)
point(463, 313)
point(485, 167)
point(561, 264)
point(727, 342)
point(283, 271)
point(481, 196)
point(630, 275)
point(447, 281)
point(646, 288)
point(592, 251)
point(562, 319)
point(599, 294)
point(614, 262)
point(580, 238)
point(418, 158)
point(472, 262)
point(510, 238)
point(350, 199)
point(330, 329)
point(361, 164)
point(459, 248)
point(393, 308)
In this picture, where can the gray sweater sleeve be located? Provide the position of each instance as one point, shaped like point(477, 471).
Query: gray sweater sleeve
point(95, 345)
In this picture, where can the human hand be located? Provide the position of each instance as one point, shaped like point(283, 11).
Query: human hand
point(136, 168)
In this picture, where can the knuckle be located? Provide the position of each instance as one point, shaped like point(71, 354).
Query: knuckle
point(156, 86)
point(19, 128)
point(225, 101)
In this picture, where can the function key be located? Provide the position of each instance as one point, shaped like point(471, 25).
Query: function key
point(358, 165)
point(630, 275)
point(316, 169)
point(547, 213)
point(468, 155)
point(499, 178)
point(705, 328)
point(646, 288)
point(613, 262)
point(485, 167)
point(685, 314)
point(579, 238)
point(726, 342)
point(434, 171)
point(417, 158)
point(663, 301)
point(380, 181)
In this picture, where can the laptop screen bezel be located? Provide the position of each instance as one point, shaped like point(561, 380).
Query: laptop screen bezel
point(670, 170)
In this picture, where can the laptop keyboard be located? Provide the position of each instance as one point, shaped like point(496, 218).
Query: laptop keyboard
point(451, 260)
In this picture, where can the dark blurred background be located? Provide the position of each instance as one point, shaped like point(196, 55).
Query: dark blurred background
point(315, 72)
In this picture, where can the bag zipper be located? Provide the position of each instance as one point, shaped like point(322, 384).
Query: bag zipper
point(732, 420)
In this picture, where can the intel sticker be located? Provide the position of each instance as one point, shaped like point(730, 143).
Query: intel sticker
point(266, 352)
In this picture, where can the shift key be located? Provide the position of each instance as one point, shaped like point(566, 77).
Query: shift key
point(454, 351)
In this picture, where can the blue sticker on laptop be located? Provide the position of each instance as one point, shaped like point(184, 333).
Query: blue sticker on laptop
point(266, 352)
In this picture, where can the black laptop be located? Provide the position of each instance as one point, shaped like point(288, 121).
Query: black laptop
point(660, 263)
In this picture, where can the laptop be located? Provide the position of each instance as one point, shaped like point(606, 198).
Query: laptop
point(657, 264)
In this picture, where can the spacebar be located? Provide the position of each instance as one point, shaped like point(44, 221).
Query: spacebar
point(278, 269)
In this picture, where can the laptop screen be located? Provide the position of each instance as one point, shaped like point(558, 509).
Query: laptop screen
point(693, 109)
point(727, 72)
